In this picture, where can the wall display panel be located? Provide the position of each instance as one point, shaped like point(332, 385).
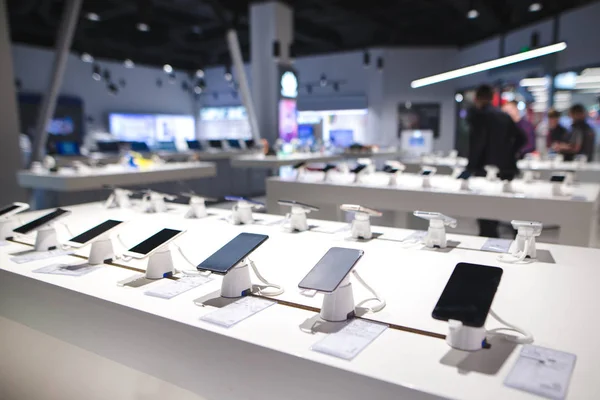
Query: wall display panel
point(421, 116)
point(218, 123)
point(152, 128)
point(340, 127)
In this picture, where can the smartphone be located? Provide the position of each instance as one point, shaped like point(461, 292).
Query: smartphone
point(358, 168)
point(234, 144)
point(299, 165)
point(14, 208)
point(194, 145)
point(357, 208)
point(250, 144)
point(557, 178)
point(111, 147)
point(464, 175)
point(93, 233)
point(435, 215)
point(331, 270)
point(215, 144)
point(237, 198)
point(328, 167)
point(40, 222)
point(468, 295)
point(194, 195)
point(152, 244)
point(389, 169)
point(296, 203)
point(139, 147)
point(232, 253)
point(426, 172)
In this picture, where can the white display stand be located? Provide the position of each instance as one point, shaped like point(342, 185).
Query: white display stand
point(464, 185)
point(46, 239)
point(119, 198)
point(241, 213)
point(361, 226)
point(197, 208)
point(237, 282)
point(491, 172)
point(507, 187)
point(160, 264)
point(7, 226)
point(155, 202)
point(436, 233)
point(101, 251)
point(338, 305)
point(463, 337)
point(525, 240)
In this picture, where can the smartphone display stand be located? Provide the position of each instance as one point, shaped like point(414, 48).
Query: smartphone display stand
point(507, 187)
point(557, 189)
point(464, 184)
point(241, 213)
point(118, 198)
point(46, 238)
point(525, 241)
point(300, 172)
point(360, 176)
point(338, 305)
point(297, 219)
point(400, 169)
point(197, 208)
point(528, 176)
point(491, 173)
point(466, 338)
point(154, 203)
point(160, 264)
point(436, 233)
point(101, 250)
point(237, 282)
point(361, 226)
point(6, 227)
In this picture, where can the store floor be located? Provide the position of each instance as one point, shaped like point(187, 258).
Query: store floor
point(468, 226)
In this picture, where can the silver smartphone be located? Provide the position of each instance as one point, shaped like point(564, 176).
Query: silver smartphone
point(331, 270)
point(292, 203)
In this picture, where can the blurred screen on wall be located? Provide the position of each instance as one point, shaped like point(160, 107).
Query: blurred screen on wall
point(341, 138)
point(219, 123)
point(419, 116)
point(306, 134)
point(152, 128)
point(288, 124)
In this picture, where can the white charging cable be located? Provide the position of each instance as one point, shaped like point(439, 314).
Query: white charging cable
point(527, 336)
point(519, 257)
point(381, 300)
point(278, 289)
point(122, 256)
point(189, 272)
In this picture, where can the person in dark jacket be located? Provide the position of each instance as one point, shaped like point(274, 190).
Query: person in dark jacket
point(556, 132)
point(581, 138)
point(494, 139)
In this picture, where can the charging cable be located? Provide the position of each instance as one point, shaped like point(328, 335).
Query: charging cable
point(122, 256)
point(519, 257)
point(188, 272)
point(527, 336)
point(381, 300)
point(277, 288)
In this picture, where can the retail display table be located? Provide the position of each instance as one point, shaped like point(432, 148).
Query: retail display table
point(269, 354)
point(576, 212)
point(586, 172)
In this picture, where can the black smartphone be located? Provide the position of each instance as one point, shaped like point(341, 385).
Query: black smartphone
point(427, 172)
point(250, 143)
point(390, 170)
point(557, 178)
point(328, 167)
point(299, 165)
point(96, 231)
point(232, 253)
point(110, 147)
point(215, 144)
point(468, 295)
point(194, 145)
point(464, 175)
point(139, 146)
point(153, 243)
point(297, 203)
point(331, 270)
point(234, 144)
point(38, 223)
point(358, 168)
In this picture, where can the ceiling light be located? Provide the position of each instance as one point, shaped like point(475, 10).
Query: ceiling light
point(167, 68)
point(96, 73)
point(472, 14)
point(535, 7)
point(521, 105)
point(485, 66)
point(323, 80)
point(200, 73)
point(197, 89)
point(92, 16)
point(529, 82)
point(128, 63)
point(87, 58)
point(458, 97)
point(142, 27)
point(228, 77)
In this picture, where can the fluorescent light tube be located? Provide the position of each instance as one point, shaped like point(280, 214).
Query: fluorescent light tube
point(500, 62)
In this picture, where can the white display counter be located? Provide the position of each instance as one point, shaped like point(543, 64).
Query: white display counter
point(588, 172)
point(576, 213)
point(269, 355)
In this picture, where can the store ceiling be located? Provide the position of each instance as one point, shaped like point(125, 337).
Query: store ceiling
point(190, 33)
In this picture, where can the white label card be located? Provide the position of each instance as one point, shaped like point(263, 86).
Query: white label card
point(416, 236)
point(351, 340)
point(68, 269)
point(172, 288)
point(542, 371)
point(39, 255)
point(237, 311)
point(497, 245)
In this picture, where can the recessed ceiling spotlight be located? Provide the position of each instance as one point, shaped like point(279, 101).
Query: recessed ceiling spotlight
point(535, 7)
point(96, 73)
point(197, 89)
point(92, 16)
point(458, 97)
point(472, 14)
point(87, 58)
point(167, 68)
point(200, 73)
point(142, 27)
point(128, 63)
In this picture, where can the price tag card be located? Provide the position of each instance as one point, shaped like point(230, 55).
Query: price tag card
point(237, 311)
point(351, 340)
point(68, 269)
point(497, 245)
point(170, 289)
point(39, 255)
point(542, 371)
point(416, 236)
point(331, 228)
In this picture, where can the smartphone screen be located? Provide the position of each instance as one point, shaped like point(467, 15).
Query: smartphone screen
point(154, 241)
point(328, 167)
point(33, 225)
point(194, 145)
point(426, 172)
point(468, 295)
point(95, 231)
point(358, 168)
point(300, 164)
point(557, 178)
point(8, 209)
point(331, 270)
point(464, 175)
point(232, 253)
point(296, 203)
point(234, 143)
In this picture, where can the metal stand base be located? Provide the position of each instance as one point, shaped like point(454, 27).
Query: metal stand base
point(339, 305)
point(101, 251)
point(237, 283)
point(463, 337)
point(46, 239)
point(160, 264)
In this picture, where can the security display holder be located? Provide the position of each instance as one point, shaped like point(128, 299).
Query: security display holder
point(523, 248)
point(154, 202)
point(119, 198)
point(436, 233)
point(427, 172)
point(361, 225)
point(491, 173)
point(241, 212)
point(395, 169)
point(296, 219)
point(197, 205)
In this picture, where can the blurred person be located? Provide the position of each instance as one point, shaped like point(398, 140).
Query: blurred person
point(494, 139)
point(581, 138)
point(512, 109)
point(556, 132)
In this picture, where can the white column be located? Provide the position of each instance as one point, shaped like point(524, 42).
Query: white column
point(10, 153)
point(269, 21)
